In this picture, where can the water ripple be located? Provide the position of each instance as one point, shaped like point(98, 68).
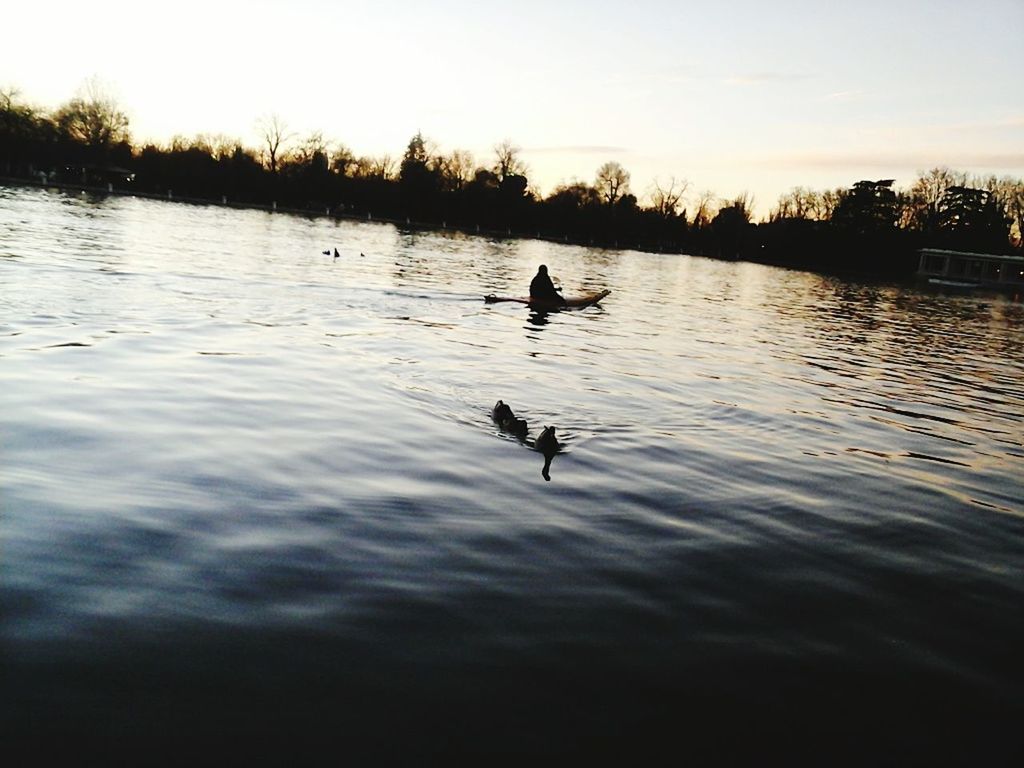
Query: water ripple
point(236, 472)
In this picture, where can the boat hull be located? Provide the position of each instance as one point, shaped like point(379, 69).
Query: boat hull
point(575, 302)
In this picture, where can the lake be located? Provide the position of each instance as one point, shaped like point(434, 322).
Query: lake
point(252, 499)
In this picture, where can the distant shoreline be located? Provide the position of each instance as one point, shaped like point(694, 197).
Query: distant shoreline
point(869, 229)
point(408, 223)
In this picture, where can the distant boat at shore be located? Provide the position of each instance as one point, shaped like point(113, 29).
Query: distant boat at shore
point(966, 270)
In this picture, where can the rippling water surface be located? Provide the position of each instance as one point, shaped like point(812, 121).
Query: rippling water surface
point(252, 497)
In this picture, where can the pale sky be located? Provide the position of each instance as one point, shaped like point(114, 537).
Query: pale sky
point(743, 96)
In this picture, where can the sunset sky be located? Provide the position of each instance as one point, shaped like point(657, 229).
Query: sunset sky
point(738, 96)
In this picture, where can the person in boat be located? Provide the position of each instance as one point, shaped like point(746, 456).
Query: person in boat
point(542, 288)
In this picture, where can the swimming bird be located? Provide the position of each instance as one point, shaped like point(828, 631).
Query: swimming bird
point(327, 252)
point(501, 411)
point(547, 444)
point(336, 254)
point(506, 419)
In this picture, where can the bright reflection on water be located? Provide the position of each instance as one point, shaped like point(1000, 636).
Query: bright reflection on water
point(253, 492)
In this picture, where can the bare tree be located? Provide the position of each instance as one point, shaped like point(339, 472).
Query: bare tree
point(612, 182)
point(315, 144)
point(804, 203)
point(667, 199)
point(784, 208)
point(922, 209)
point(383, 167)
point(798, 203)
point(275, 134)
point(93, 116)
point(705, 208)
point(312, 151)
point(744, 204)
point(362, 167)
point(343, 162)
point(456, 168)
point(507, 161)
point(223, 146)
point(308, 158)
point(931, 186)
point(366, 167)
point(828, 201)
point(1010, 192)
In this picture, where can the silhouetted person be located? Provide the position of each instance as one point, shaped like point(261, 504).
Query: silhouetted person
point(542, 288)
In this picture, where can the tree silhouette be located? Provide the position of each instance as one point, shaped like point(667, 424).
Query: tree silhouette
point(93, 117)
point(731, 225)
point(869, 206)
point(18, 120)
point(415, 159)
point(342, 160)
point(575, 196)
point(667, 199)
point(313, 152)
point(456, 169)
point(307, 167)
point(275, 134)
point(705, 208)
point(418, 178)
point(1010, 192)
point(800, 203)
point(921, 210)
point(612, 182)
point(507, 161)
point(973, 217)
point(27, 135)
point(381, 167)
point(870, 227)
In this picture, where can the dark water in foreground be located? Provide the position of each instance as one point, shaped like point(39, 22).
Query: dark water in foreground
point(252, 503)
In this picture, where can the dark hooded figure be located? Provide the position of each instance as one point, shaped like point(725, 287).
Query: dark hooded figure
point(542, 288)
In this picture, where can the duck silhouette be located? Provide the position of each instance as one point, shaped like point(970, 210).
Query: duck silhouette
point(327, 252)
point(505, 418)
point(336, 254)
point(548, 445)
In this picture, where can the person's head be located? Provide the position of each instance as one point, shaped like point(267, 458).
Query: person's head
point(542, 270)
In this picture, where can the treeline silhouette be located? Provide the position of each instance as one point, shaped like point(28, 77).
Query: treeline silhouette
point(870, 227)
